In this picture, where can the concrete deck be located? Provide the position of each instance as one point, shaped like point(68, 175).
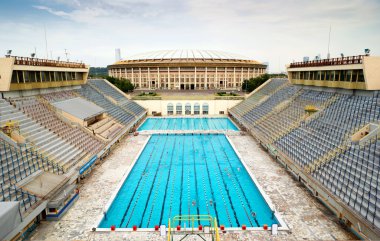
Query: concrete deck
point(306, 217)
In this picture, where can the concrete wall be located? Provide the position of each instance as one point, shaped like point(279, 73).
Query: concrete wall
point(215, 106)
point(6, 66)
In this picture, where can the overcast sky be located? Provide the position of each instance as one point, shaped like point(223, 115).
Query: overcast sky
point(277, 32)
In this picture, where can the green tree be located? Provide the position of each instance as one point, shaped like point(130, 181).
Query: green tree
point(124, 85)
point(253, 83)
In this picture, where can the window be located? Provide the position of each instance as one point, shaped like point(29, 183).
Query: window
point(14, 77)
point(178, 109)
point(221, 112)
point(361, 76)
point(187, 109)
point(170, 109)
point(197, 109)
point(205, 109)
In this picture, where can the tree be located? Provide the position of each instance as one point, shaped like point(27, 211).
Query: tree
point(253, 83)
point(124, 85)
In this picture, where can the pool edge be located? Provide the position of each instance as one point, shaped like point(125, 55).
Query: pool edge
point(118, 187)
point(282, 224)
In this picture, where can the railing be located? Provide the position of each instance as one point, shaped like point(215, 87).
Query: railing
point(46, 62)
point(326, 62)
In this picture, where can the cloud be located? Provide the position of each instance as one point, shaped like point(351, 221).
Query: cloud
point(274, 31)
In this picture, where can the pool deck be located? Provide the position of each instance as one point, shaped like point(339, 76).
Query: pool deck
point(306, 218)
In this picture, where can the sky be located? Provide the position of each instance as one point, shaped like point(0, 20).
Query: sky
point(274, 31)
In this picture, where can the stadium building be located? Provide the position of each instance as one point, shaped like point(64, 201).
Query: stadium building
point(187, 70)
point(82, 152)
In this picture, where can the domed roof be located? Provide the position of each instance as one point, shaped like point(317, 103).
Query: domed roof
point(187, 54)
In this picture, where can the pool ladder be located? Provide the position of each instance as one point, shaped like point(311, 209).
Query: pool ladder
point(199, 231)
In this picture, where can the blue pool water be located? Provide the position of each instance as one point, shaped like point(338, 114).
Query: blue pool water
point(181, 174)
point(222, 123)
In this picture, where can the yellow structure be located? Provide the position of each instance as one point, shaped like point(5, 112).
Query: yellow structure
point(12, 129)
point(187, 70)
point(356, 72)
point(23, 73)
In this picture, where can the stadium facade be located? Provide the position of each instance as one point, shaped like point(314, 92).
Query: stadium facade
point(187, 70)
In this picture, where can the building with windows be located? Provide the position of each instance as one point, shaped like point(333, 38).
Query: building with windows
point(23, 73)
point(356, 72)
point(187, 70)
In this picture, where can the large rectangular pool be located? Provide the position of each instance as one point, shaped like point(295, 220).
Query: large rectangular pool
point(188, 123)
point(186, 174)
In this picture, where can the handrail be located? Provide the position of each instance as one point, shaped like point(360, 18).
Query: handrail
point(326, 62)
point(46, 62)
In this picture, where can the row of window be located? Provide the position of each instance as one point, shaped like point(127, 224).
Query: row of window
point(179, 109)
point(26, 76)
point(355, 75)
point(185, 69)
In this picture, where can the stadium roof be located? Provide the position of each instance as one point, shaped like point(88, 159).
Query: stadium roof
point(187, 54)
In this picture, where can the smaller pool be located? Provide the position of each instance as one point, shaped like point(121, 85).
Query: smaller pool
point(220, 123)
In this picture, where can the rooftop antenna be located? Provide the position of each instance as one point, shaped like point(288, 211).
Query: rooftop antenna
point(328, 45)
point(46, 46)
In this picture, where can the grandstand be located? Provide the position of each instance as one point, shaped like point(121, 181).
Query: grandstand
point(319, 148)
point(55, 125)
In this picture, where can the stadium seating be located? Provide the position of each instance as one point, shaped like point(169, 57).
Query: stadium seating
point(112, 109)
point(41, 138)
point(354, 177)
point(256, 98)
point(43, 114)
point(17, 163)
point(104, 88)
point(320, 143)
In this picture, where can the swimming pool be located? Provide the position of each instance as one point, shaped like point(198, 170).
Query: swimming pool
point(181, 174)
point(222, 123)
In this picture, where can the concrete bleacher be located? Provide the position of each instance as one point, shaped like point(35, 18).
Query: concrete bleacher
point(44, 115)
point(259, 96)
point(40, 137)
point(107, 90)
point(353, 176)
point(18, 163)
point(120, 114)
point(320, 143)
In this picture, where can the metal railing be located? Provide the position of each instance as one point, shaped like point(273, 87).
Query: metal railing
point(46, 62)
point(327, 62)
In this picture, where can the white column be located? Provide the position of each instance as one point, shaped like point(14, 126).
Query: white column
point(195, 78)
point(159, 78)
point(120, 74)
point(216, 76)
point(179, 77)
point(225, 77)
point(248, 74)
point(133, 77)
point(169, 79)
point(150, 87)
point(241, 76)
point(140, 76)
point(234, 77)
point(205, 83)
